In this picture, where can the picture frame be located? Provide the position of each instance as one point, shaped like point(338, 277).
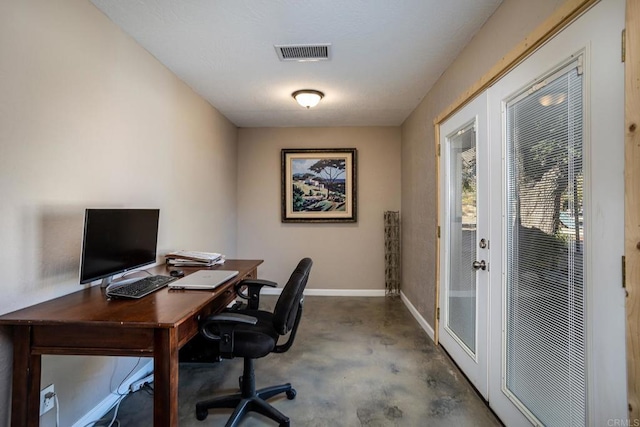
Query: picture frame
point(319, 185)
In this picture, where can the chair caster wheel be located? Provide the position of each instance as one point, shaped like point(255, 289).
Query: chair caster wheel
point(291, 394)
point(201, 414)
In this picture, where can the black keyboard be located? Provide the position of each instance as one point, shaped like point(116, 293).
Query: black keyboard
point(141, 287)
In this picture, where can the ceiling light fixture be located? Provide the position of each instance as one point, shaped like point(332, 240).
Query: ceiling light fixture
point(308, 97)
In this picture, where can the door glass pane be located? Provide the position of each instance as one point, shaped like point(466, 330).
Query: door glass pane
point(461, 298)
point(545, 306)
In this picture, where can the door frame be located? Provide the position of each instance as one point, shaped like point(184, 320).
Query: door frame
point(631, 271)
point(560, 19)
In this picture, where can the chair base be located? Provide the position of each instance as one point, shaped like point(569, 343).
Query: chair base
point(256, 403)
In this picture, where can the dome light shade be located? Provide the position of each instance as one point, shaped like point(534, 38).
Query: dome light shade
point(308, 97)
point(552, 99)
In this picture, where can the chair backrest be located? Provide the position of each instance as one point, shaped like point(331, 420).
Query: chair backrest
point(289, 305)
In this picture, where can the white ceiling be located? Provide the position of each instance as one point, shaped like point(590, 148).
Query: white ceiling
point(386, 54)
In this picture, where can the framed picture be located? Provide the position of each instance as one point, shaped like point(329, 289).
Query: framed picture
point(319, 185)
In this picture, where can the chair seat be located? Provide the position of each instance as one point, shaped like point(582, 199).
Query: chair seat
point(257, 340)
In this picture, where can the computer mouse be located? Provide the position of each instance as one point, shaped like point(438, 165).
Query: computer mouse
point(176, 273)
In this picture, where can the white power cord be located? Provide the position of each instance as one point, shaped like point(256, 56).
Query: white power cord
point(55, 396)
point(115, 422)
point(57, 405)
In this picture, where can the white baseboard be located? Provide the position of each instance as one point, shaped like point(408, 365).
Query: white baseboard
point(421, 320)
point(362, 293)
point(331, 292)
point(108, 402)
point(346, 292)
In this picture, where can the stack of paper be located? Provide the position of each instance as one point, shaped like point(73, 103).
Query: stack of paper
point(194, 258)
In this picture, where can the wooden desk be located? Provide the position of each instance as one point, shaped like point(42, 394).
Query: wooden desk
point(86, 323)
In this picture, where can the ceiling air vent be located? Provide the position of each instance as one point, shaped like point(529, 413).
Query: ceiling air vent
point(304, 52)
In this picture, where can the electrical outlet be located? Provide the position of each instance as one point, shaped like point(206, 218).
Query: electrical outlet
point(135, 386)
point(47, 399)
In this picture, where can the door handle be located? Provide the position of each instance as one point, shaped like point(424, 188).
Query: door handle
point(479, 265)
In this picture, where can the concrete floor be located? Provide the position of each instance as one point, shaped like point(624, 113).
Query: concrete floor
point(355, 362)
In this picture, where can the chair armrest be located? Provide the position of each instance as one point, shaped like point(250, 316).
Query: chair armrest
point(219, 327)
point(224, 322)
point(253, 291)
point(230, 317)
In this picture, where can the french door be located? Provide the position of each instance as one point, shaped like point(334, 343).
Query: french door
point(464, 236)
point(543, 283)
point(532, 198)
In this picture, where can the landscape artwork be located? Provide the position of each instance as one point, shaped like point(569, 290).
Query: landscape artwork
point(318, 185)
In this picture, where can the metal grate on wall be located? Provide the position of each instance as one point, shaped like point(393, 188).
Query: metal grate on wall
point(392, 252)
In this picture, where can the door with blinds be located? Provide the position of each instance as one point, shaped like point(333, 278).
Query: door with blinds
point(555, 291)
point(544, 273)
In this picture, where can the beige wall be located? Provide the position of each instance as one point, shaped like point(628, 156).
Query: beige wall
point(88, 118)
point(346, 256)
point(510, 24)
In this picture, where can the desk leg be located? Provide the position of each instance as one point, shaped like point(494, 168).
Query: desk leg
point(165, 373)
point(25, 398)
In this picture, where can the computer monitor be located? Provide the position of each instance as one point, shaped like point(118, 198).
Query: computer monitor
point(117, 240)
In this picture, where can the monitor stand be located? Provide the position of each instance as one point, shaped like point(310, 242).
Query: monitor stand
point(121, 280)
point(106, 282)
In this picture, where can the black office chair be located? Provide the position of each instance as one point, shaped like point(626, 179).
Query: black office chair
point(252, 334)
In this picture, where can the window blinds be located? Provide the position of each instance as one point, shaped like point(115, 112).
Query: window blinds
point(545, 364)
